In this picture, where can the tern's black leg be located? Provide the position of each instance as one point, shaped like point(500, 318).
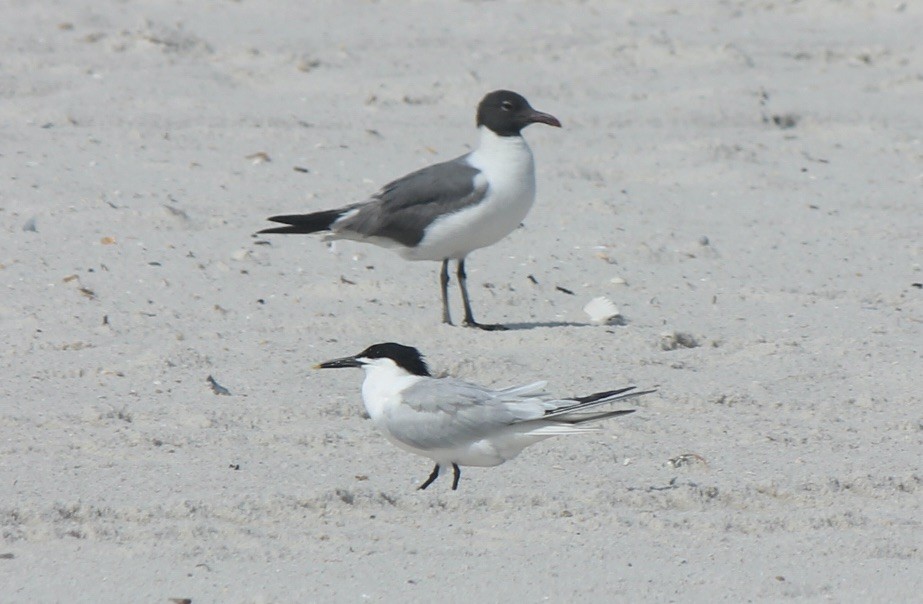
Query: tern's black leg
point(456, 477)
point(469, 316)
point(431, 479)
point(444, 283)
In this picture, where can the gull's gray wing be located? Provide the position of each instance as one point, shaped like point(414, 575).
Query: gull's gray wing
point(441, 413)
point(402, 209)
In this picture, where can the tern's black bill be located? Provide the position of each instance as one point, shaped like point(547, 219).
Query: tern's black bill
point(338, 363)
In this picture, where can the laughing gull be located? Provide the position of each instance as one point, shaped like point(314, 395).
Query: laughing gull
point(447, 210)
point(458, 423)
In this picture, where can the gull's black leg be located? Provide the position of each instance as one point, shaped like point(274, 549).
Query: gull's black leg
point(444, 283)
point(456, 477)
point(431, 479)
point(469, 316)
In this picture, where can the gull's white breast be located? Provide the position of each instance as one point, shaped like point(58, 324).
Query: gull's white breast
point(506, 164)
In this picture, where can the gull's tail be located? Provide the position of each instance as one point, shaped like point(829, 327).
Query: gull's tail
point(302, 224)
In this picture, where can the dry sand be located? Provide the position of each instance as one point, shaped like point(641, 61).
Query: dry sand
point(753, 171)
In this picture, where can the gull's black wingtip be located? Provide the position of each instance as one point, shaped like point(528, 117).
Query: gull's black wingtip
point(302, 224)
point(286, 230)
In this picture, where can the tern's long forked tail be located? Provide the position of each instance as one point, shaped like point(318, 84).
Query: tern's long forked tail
point(302, 224)
point(576, 413)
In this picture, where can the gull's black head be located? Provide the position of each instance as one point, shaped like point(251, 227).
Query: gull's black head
point(507, 113)
point(407, 358)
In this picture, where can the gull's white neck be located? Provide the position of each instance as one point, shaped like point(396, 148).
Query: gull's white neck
point(512, 151)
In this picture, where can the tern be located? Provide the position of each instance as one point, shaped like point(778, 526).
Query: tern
point(457, 423)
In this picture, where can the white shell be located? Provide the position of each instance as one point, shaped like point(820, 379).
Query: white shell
point(601, 309)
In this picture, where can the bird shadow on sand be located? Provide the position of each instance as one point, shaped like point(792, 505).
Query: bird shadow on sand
point(545, 324)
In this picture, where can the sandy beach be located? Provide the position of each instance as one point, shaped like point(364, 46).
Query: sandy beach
point(744, 180)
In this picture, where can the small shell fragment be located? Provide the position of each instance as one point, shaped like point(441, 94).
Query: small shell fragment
point(260, 157)
point(216, 387)
point(601, 309)
point(687, 459)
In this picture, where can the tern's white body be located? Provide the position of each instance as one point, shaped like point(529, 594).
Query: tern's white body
point(452, 421)
point(457, 423)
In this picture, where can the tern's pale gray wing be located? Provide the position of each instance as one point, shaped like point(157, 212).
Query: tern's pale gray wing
point(402, 209)
point(442, 413)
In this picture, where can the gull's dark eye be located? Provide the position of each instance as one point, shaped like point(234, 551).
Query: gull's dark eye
point(506, 106)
